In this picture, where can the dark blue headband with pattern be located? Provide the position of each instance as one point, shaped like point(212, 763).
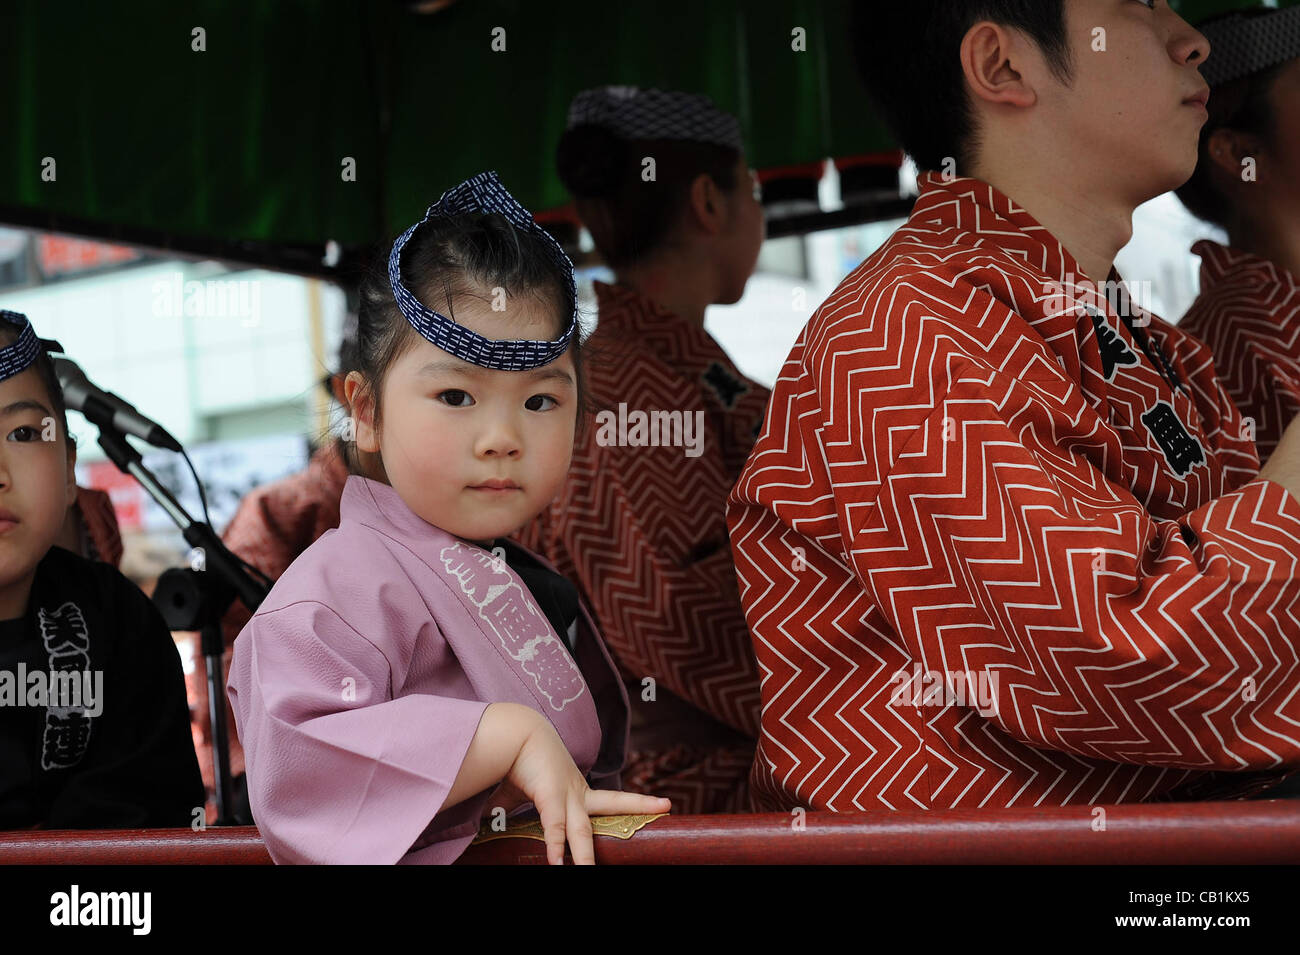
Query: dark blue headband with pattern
point(1250, 41)
point(482, 193)
point(19, 356)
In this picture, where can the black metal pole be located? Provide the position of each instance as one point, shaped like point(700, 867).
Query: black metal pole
point(228, 580)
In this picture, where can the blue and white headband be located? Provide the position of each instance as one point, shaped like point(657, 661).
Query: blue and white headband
point(21, 355)
point(482, 193)
point(1245, 43)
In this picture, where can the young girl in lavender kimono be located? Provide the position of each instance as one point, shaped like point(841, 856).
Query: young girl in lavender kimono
point(413, 672)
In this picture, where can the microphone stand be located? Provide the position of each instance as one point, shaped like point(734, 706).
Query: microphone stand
point(193, 600)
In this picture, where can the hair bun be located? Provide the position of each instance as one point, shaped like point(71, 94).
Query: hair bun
point(590, 160)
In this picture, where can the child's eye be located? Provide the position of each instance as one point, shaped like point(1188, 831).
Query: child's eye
point(533, 403)
point(25, 433)
point(456, 398)
point(1149, 4)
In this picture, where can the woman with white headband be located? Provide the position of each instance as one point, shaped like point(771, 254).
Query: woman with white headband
point(660, 180)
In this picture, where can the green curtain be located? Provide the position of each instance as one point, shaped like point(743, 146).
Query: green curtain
point(245, 142)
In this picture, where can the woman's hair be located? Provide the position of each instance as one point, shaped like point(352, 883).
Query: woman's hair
point(464, 255)
point(45, 370)
point(629, 217)
point(1242, 105)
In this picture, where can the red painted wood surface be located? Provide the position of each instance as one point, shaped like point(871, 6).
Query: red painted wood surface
point(1178, 833)
point(233, 845)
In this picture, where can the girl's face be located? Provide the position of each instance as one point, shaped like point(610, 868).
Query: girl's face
point(474, 451)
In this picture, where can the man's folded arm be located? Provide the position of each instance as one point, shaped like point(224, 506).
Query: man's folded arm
point(1102, 631)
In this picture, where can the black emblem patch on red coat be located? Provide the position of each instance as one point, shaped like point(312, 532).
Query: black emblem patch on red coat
point(724, 384)
point(1181, 449)
point(1114, 350)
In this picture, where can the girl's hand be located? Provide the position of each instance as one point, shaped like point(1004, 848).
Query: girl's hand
point(545, 773)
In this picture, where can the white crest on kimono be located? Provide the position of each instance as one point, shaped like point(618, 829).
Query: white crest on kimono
point(67, 644)
point(511, 614)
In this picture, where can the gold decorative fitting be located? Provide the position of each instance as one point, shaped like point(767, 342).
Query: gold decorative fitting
point(620, 827)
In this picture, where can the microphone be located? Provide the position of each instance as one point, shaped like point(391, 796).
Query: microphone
point(106, 409)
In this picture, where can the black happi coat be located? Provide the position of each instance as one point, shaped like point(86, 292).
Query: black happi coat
point(132, 765)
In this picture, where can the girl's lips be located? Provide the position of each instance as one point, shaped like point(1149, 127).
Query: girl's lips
point(7, 524)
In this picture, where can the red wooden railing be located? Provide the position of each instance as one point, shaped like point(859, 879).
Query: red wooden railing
point(1180, 833)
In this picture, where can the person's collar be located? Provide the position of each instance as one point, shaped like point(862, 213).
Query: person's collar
point(947, 200)
point(1220, 263)
point(632, 316)
point(623, 301)
point(377, 506)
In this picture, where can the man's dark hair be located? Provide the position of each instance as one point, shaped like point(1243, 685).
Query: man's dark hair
point(907, 55)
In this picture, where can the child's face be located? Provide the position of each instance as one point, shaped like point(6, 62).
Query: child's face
point(449, 428)
point(1122, 120)
point(37, 478)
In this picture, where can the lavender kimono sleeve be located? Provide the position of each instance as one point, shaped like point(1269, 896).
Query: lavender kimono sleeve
point(338, 770)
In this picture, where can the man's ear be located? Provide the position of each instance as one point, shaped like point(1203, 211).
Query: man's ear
point(361, 400)
point(708, 205)
point(994, 60)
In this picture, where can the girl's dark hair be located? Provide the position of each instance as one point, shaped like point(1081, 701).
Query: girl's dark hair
point(45, 371)
point(1242, 105)
point(630, 218)
point(464, 255)
point(907, 56)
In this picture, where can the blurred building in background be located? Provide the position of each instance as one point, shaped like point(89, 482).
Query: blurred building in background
point(228, 361)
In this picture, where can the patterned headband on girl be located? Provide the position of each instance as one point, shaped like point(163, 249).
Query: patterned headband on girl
point(483, 193)
point(1242, 44)
point(632, 113)
point(19, 356)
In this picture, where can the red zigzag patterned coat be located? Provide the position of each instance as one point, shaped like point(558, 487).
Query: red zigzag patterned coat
point(642, 531)
point(1248, 312)
point(992, 556)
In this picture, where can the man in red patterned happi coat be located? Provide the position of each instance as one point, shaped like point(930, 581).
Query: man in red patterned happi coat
point(1002, 540)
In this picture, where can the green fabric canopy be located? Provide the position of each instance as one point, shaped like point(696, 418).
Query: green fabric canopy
point(245, 142)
